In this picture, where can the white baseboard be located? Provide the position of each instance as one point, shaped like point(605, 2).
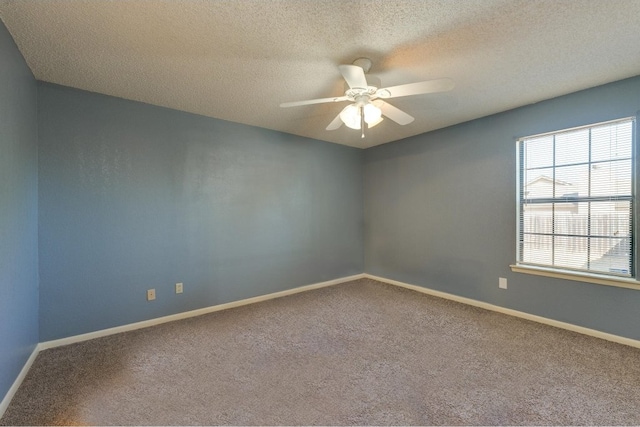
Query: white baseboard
point(563, 325)
point(184, 315)
point(16, 384)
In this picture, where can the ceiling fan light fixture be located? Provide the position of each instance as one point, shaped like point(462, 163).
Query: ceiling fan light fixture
point(350, 115)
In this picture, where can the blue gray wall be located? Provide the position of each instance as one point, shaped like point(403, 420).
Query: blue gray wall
point(18, 212)
point(133, 196)
point(440, 212)
point(129, 197)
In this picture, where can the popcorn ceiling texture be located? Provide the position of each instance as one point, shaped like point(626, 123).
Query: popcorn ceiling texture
point(238, 60)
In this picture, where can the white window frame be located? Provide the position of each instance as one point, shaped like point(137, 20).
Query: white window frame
point(581, 275)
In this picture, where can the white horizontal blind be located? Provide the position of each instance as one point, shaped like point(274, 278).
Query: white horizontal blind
point(576, 199)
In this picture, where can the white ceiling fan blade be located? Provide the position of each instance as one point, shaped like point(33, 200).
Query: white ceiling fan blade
point(354, 76)
point(395, 114)
point(313, 101)
point(335, 124)
point(428, 86)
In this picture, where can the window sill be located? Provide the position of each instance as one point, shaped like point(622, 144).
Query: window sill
point(580, 277)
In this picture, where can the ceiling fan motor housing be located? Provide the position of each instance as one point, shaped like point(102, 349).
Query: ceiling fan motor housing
point(373, 83)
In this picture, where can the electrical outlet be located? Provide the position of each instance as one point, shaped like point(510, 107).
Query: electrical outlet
point(502, 283)
point(178, 288)
point(151, 294)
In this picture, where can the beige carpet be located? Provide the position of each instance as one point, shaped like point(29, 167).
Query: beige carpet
point(357, 353)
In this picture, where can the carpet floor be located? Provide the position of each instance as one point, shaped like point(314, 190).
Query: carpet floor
point(362, 352)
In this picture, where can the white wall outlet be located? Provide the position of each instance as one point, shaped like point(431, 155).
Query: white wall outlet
point(178, 288)
point(151, 294)
point(502, 283)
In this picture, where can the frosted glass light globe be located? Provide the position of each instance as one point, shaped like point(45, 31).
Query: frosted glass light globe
point(371, 113)
point(350, 116)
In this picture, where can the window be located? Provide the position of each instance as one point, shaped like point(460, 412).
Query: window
point(576, 199)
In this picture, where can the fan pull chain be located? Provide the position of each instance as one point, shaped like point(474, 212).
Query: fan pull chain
point(362, 120)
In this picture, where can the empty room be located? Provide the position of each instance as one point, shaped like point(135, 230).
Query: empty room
point(292, 212)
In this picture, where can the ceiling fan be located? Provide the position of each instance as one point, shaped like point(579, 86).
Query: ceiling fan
point(368, 105)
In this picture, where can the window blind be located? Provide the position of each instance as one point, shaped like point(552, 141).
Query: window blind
point(576, 199)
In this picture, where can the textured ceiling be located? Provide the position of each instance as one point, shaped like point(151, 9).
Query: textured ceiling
point(238, 60)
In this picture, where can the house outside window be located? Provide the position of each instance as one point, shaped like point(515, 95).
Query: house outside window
point(576, 199)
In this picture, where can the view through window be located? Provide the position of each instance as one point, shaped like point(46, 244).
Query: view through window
point(576, 199)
